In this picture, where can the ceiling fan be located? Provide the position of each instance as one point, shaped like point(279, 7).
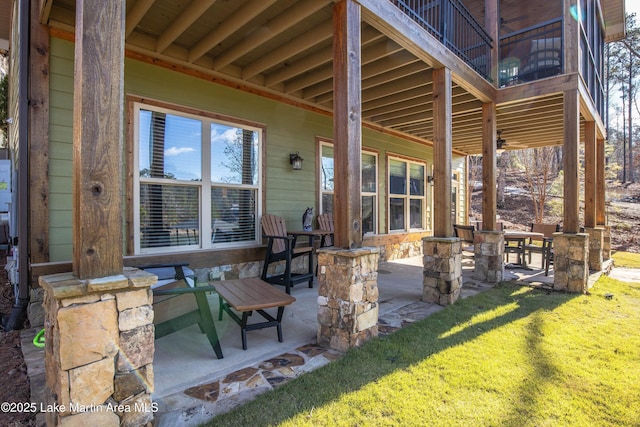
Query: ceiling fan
point(502, 144)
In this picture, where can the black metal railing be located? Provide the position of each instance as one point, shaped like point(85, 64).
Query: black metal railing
point(532, 53)
point(454, 26)
point(591, 66)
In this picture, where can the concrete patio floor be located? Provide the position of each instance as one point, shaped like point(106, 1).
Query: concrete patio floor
point(192, 386)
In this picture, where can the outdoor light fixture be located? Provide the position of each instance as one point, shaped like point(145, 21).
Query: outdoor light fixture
point(430, 179)
point(296, 161)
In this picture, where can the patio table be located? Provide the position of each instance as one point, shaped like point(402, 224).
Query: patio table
point(520, 238)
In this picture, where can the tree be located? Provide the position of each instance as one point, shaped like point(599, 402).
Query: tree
point(623, 73)
point(539, 168)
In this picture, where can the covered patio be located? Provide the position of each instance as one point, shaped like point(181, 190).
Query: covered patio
point(191, 385)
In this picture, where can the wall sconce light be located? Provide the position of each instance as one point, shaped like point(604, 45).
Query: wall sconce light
point(296, 161)
point(430, 179)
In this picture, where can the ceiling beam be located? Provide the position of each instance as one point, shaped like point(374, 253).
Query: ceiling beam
point(135, 15)
point(277, 25)
point(229, 26)
point(188, 16)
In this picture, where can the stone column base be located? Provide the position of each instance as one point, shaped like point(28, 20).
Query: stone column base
point(489, 248)
point(347, 297)
point(442, 262)
point(99, 349)
point(596, 243)
point(571, 262)
point(606, 243)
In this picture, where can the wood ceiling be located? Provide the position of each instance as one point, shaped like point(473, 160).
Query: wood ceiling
point(283, 49)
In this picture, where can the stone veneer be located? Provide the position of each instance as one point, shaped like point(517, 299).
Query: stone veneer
point(99, 349)
point(442, 269)
point(570, 262)
point(606, 243)
point(596, 243)
point(347, 297)
point(488, 252)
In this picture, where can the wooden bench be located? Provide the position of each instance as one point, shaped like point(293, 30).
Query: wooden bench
point(248, 295)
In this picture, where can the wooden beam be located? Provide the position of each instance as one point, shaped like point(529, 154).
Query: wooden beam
point(98, 138)
point(590, 160)
point(229, 26)
point(489, 195)
point(571, 162)
point(571, 37)
point(491, 25)
point(296, 13)
point(601, 218)
point(442, 144)
point(347, 125)
point(188, 16)
point(311, 38)
point(38, 137)
point(136, 14)
point(391, 21)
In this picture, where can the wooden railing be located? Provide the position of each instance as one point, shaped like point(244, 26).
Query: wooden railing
point(454, 26)
point(532, 53)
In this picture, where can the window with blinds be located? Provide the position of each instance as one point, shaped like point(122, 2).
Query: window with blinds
point(407, 196)
point(369, 192)
point(197, 181)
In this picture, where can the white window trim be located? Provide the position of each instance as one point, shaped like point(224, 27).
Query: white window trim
point(407, 197)
point(204, 183)
point(328, 143)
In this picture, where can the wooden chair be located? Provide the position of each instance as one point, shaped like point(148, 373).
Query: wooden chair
point(325, 223)
point(465, 232)
point(177, 304)
point(281, 246)
point(543, 246)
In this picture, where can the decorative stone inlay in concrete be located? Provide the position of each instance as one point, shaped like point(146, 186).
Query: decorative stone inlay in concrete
point(285, 360)
point(207, 392)
point(241, 375)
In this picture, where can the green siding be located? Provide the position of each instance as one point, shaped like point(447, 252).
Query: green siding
point(289, 129)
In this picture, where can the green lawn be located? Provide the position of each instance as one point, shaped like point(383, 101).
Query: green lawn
point(626, 259)
point(511, 356)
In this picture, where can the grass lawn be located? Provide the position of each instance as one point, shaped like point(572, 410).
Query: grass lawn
point(510, 356)
point(626, 259)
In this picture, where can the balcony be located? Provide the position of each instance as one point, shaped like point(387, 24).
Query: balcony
point(532, 53)
point(453, 25)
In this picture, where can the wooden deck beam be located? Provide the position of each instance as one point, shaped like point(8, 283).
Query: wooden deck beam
point(571, 162)
point(347, 125)
point(442, 156)
point(98, 139)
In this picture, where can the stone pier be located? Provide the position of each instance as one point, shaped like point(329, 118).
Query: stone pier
point(596, 244)
point(347, 297)
point(99, 345)
point(570, 262)
point(489, 249)
point(606, 243)
point(442, 269)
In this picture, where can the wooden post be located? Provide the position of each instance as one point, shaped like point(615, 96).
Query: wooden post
point(600, 187)
point(590, 160)
point(347, 125)
point(442, 144)
point(489, 196)
point(571, 161)
point(38, 137)
point(491, 25)
point(97, 138)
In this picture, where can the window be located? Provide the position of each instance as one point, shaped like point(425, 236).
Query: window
point(369, 191)
point(407, 197)
point(197, 181)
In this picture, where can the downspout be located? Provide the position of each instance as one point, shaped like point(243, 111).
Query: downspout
point(18, 314)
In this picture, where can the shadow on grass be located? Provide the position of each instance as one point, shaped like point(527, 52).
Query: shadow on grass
point(457, 324)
